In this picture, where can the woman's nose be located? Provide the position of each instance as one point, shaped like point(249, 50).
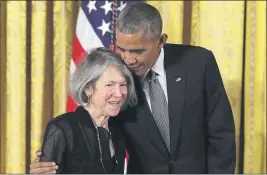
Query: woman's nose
point(118, 92)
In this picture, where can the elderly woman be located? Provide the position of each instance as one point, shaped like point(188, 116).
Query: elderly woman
point(88, 140)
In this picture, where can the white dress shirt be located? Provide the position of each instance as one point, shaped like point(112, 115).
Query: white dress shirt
point(158, 67)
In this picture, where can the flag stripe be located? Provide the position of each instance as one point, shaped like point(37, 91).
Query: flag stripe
point(77, 51)
point(85, 33)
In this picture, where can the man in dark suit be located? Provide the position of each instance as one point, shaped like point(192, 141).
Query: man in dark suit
point(183, 122)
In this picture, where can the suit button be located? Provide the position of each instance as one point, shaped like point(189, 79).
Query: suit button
point(172, 162)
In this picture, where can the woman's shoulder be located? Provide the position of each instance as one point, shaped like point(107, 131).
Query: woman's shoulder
point(62, 118)
point(62, 122)
point(61, 127)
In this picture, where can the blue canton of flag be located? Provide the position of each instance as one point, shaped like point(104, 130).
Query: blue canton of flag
point(99, 14)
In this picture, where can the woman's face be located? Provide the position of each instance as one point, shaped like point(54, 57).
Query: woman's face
point(109, 93)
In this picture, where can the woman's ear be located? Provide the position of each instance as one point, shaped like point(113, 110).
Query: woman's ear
point(163, 39)
point(88, 92)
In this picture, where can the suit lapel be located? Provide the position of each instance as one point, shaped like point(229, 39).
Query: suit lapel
point(145, 119)
point(176, 82)
point(176, 88)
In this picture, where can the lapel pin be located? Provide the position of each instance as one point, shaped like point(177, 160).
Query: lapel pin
point(178, 79)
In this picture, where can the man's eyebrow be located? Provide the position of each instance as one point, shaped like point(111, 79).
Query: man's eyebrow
point(121, 48)
point(136, 50)
point(131, 50)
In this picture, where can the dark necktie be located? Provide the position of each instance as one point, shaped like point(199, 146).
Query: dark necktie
point(159, 107)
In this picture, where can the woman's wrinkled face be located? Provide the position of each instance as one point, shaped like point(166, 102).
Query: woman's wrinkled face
point(109, 93)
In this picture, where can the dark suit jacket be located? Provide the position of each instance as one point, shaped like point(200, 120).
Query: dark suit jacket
point(201, 120)
point(70, 140)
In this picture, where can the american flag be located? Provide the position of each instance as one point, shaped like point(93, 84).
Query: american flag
point(95, 28)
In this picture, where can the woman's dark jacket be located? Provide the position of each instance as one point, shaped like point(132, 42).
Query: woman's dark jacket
point(71, 141)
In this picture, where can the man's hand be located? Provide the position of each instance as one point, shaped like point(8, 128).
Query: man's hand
point(37, 167)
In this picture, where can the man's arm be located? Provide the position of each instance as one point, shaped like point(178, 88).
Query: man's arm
point(38, 167)
point(220, 122)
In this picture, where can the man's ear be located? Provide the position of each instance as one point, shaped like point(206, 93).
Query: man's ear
point(163, 39)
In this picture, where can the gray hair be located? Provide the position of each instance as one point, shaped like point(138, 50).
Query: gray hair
point(91, 69)
point(140, 16)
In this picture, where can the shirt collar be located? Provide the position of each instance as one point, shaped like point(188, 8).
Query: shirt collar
point(158, 67)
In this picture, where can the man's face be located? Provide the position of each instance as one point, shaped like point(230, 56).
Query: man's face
point(138, 52)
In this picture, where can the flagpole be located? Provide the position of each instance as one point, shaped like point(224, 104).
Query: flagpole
point(113, 26)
